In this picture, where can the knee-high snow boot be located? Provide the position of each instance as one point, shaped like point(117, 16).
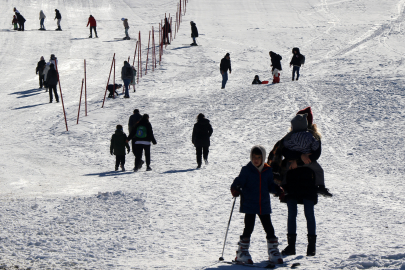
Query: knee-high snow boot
point(242, 254)
point(311, 249)
point(272, 248)
point(290, 249)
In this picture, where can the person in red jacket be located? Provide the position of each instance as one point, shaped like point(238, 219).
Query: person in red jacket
point(93, 25)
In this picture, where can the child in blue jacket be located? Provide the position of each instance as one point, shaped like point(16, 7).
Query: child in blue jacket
point(254, 183)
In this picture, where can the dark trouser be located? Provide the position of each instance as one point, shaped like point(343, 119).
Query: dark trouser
point(41, 80)
point(21, 24)
point(250, 224)
point(95, 31)
point(296, 69)
point(119, 159)
point(53, 87)
point(41, 24)
point(224, 79)
point(309, 215)
point(126, 84)
point(202, 151)
point(138, 150)
point(194, 39)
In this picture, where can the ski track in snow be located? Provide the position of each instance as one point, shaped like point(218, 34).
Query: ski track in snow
point(62, 206)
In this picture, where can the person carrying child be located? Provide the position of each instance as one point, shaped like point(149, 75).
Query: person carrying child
point(254, 183)
point(306, 141)
point(117, 147)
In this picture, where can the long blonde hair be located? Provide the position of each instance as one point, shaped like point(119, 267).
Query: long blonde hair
point(315, 132)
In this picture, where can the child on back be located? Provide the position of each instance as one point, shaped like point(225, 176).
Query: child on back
point(254, 183)
point(300, 139)
point(117, 147)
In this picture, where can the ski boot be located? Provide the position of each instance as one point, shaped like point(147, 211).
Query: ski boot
point(290, 249)
point(311, 249)
point(242, 254)
point(272, 248)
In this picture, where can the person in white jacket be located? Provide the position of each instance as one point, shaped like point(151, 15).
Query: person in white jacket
point(41, 19)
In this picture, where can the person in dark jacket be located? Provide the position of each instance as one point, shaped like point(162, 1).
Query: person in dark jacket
point(21, 21)
point(254, 183)
point(225, 65)
point(256, 80)
point(275, 60)
point(40, 71)
point(133, 120)
point(93, 26)
point(194, 33)
point(126, 26)
point(58, 17)
point(142, 136)
point(126, 76)
point(202, 132)
point(52, 79)
point(117, 147)
point(296, 62)
point(166, 31)
point(113, 88)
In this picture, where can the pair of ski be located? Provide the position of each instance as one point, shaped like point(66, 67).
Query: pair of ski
point(268, 266)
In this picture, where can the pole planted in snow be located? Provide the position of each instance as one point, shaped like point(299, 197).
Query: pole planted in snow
point(61, 96)
point(80, 102)
point(85, 89)
point(147, 56)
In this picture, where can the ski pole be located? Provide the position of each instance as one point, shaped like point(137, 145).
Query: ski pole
point(226, 234)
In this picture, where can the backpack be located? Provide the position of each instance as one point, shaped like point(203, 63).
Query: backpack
point(302, 59)
point(141, 132)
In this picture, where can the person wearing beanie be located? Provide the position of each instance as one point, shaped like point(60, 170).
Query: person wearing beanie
point(296, 61)
point(52, 79)
point(257, 80)
point(225, 65)
point(254, 183)
point(93, 26)
point(117, 147)
point(202, 132)
point(58, 17)
point(40, 71)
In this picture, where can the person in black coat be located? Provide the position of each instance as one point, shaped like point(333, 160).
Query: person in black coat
point(256, 80)
point(225, 65)
point(275, 60)
point(39, 70)
point(296, 62)
point(194, 33)
point(202, 132)
point(113, 87)
point(142, 136)
point(166, 30)
point(21, 21)
point(52, 79)
point(58, 17)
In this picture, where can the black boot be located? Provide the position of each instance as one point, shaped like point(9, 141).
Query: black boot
point(290, 249)
point(311, 249)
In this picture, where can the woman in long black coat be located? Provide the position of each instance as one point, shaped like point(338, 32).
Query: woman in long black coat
point(201, 138)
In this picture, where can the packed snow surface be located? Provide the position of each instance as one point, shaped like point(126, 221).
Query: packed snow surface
point(62, 205)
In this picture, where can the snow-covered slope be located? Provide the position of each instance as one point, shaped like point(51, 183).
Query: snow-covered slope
point(63, 207)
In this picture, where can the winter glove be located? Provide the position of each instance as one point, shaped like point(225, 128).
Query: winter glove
point(235, 192)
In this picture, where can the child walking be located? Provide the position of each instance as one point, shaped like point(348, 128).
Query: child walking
point(254, 183)
point(117, 147)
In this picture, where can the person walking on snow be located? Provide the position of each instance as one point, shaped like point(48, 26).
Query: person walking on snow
point(52, 79)
point(202, 132)
point(58, 17)
point(142, 136)
point(194, 33)
point(40, 71)
point(133, 120)
point(93, 25)
point(126, 26)
point(126, 76)
point(275, 66)
point(225, 65)
point(254, 183)
point(41, 20)
point(166, 30)
point(15, 22)
point(296, 61)
point(117, 147)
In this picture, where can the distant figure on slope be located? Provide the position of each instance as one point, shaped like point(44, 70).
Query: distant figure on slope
point(53, 60)
point(126, 76)
point(52, 79)
point(20, 19)
point(133, 120)
point(202, 132)
point(276, 75)
point(126, 26)
point(142, 136)
point(254, 183)
point(296, 61)
point(40, 71)
point(58, 17)
point(256, 80)
point(113, 87)
point(166, 30)
point(225, 65)
point(117, 147)
point(93, 26)
point(14, 22)
point(194, 33)
point(41, 20)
